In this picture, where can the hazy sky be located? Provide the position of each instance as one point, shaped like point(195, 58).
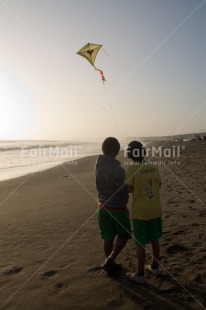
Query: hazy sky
point(153, 58)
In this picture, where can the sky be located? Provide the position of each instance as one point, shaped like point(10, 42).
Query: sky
point(153, 58)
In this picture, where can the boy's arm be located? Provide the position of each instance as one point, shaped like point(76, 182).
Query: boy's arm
point(160, 183)
point(119, 180)
point(129, 180)
point(120, 187)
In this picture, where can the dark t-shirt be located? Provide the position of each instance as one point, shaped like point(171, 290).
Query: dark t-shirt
point(110, 176)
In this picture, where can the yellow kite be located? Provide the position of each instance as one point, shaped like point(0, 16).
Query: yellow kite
point(89, 51)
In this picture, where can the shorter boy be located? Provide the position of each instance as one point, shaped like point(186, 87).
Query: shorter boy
point(113, 215)
point(143, 181)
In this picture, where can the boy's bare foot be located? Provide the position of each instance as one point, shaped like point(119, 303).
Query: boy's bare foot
point(111, 267)
point(132, 276)
point(155, 271)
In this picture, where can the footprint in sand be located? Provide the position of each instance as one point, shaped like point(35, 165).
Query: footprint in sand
point(49, 274)
point(13, 270)
point(191, 208)
point(202, 213)
point(179, 232)
point(167, 216)
point(198, 279)
point(93, 269)
point(59, 285)
point(178, 270)
point(191, 201)
point(167, 286)
point(196, 244)
point(173, 249)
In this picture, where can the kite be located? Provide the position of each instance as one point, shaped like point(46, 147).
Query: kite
point(89, 51)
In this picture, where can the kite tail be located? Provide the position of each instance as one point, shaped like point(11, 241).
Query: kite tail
point(101, 73)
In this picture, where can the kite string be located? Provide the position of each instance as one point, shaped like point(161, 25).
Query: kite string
point(113, 114)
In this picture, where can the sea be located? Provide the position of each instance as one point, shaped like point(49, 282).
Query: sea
point(18, 158)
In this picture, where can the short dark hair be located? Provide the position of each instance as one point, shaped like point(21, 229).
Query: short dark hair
point(136, 151)
point(111, 147)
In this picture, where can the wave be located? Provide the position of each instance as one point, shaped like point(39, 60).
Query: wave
point(22, 157)
point(4, 147)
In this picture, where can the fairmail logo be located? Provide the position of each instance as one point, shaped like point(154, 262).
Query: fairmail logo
point(71, 151)
point(173, 152)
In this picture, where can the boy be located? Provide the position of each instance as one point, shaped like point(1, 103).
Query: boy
point(143, 181)
point(113, 215)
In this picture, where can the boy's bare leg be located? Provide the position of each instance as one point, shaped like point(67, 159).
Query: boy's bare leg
point(108, 247)
point(118, 246)
point(155, 251)
point(111, 252)
point(141, 258)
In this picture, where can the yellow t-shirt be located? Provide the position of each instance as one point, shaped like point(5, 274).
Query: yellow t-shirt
point(145, 180)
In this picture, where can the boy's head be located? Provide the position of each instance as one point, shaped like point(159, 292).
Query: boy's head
point(111, 147)
point(136, 151)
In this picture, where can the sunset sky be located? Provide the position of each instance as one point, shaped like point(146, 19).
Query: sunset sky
point(153, 58)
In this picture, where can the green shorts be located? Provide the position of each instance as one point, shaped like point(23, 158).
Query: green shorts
point(114, 223)
point(146, 231)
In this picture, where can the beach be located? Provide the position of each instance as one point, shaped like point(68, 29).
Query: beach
point(51, 251)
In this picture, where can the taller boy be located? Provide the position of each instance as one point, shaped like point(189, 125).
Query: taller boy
point(113, 215)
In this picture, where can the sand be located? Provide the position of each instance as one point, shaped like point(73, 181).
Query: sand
point(51, 251)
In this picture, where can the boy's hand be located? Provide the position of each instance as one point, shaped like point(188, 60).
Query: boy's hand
point(130, 189)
